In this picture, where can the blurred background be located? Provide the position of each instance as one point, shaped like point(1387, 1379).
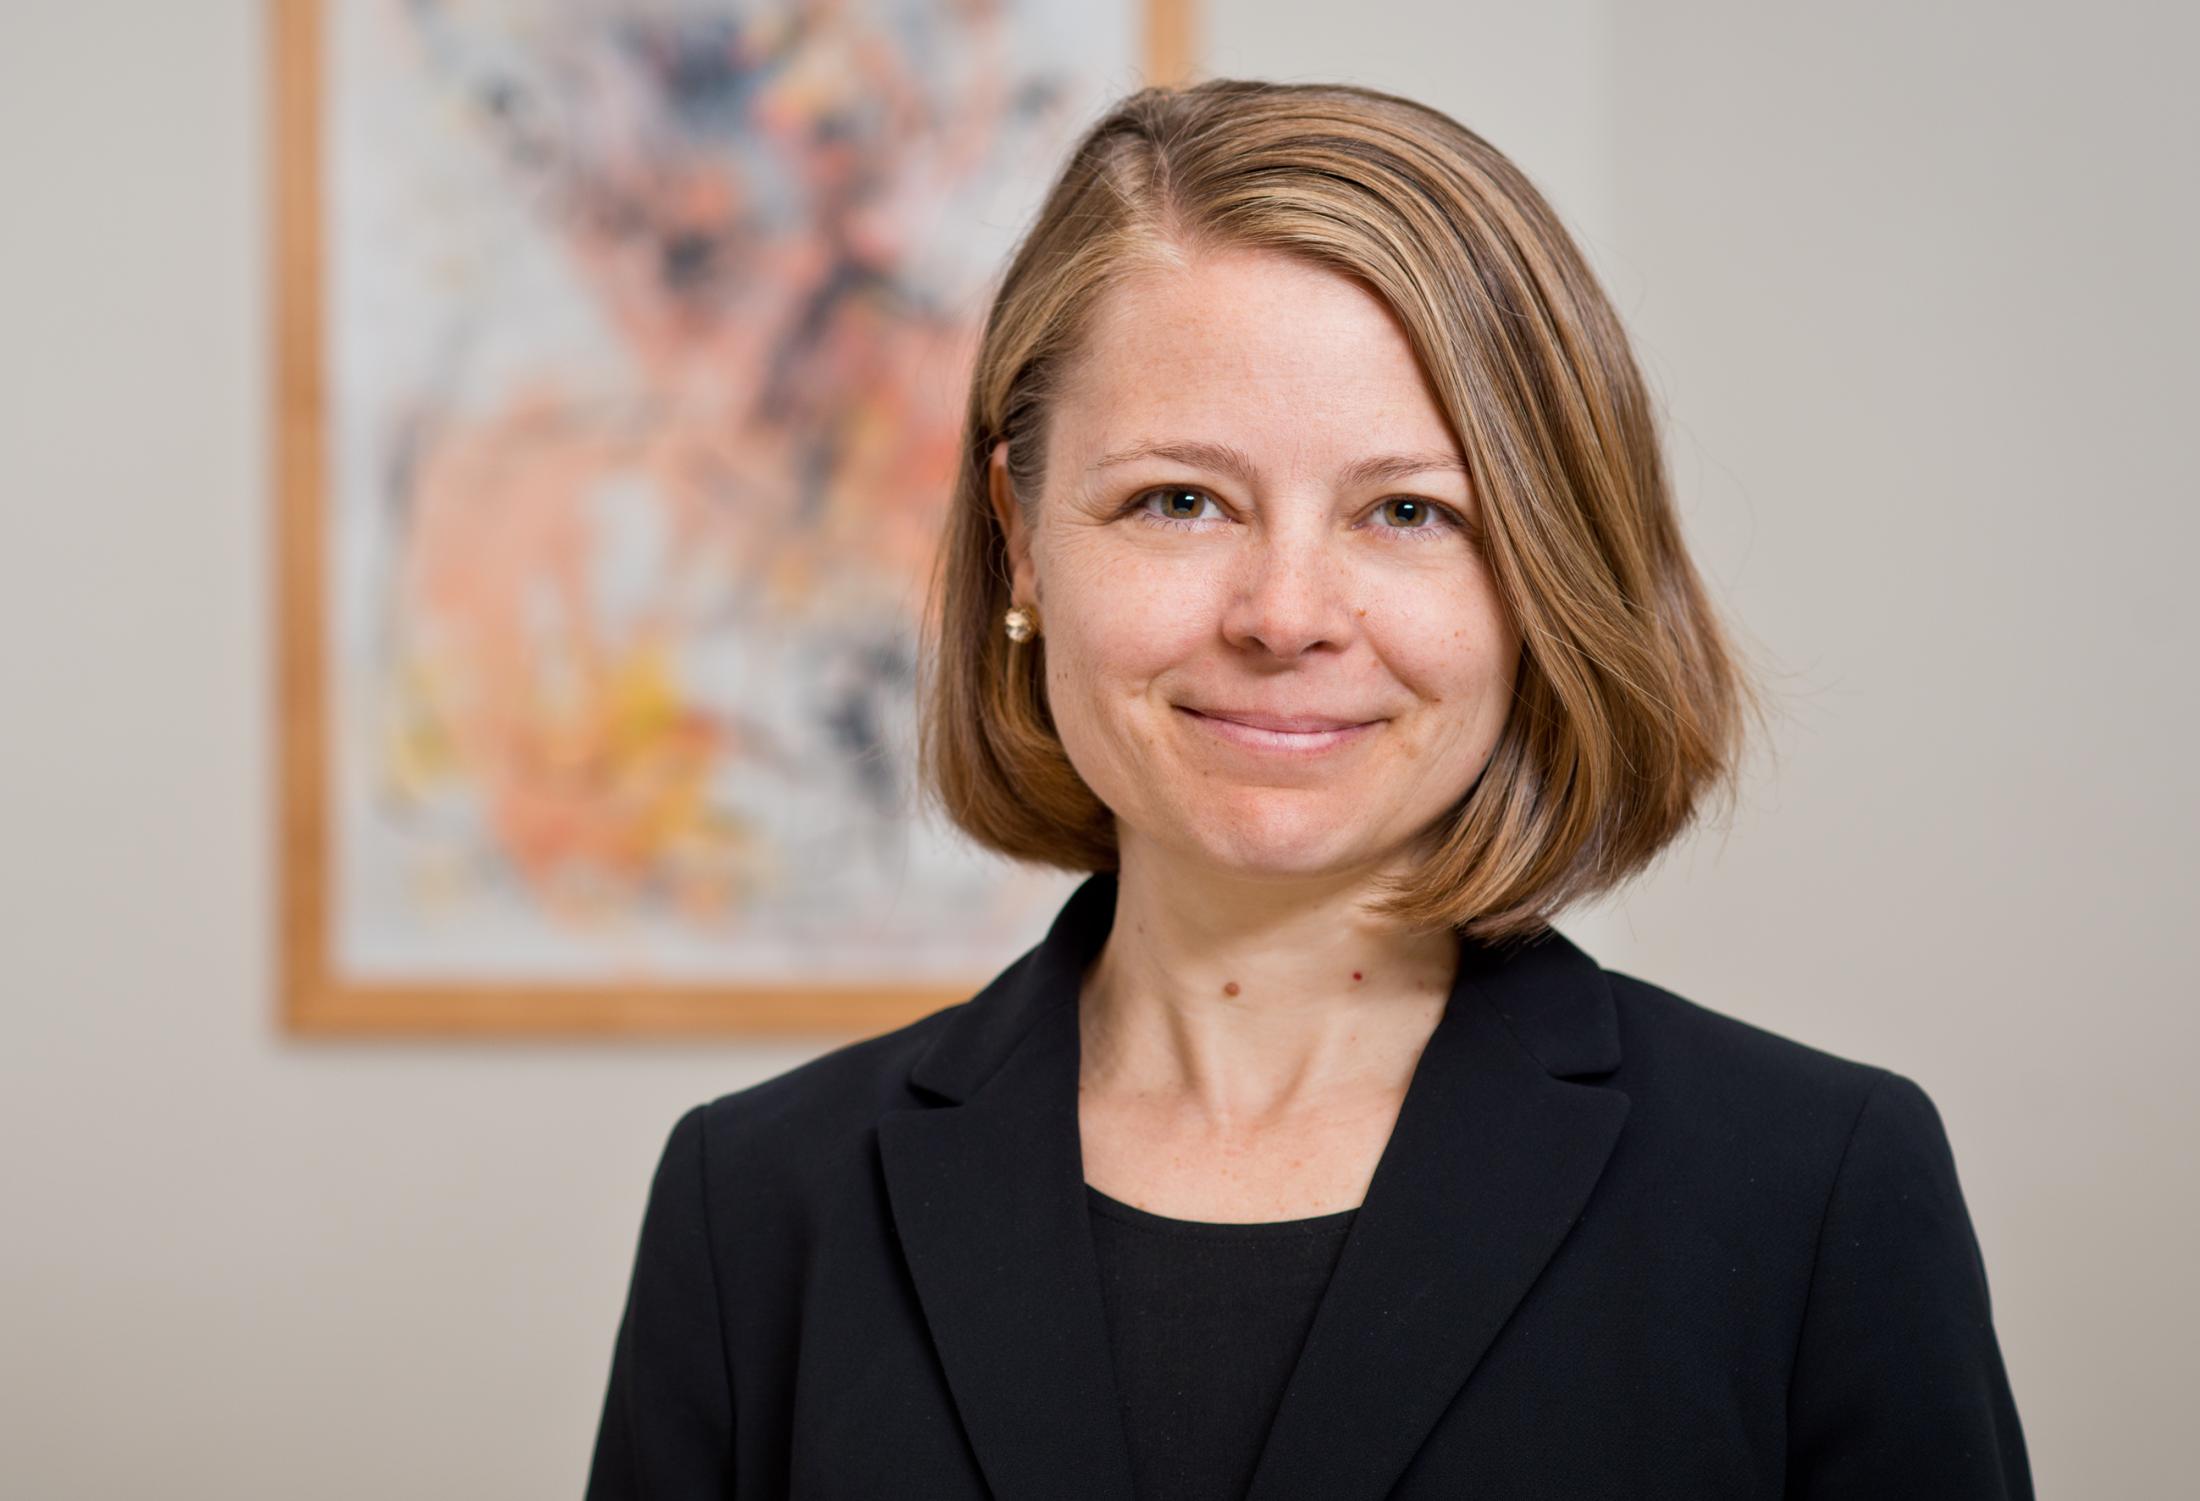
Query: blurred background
point(1914, 283)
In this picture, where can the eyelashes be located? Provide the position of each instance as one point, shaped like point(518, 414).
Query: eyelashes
point(1445, 521)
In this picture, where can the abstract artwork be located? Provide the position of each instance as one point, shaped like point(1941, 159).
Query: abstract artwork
point(621, 357)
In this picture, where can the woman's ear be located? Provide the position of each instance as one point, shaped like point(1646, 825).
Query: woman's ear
point(1023, 583)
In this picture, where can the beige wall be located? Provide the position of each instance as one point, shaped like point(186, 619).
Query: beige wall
point(1914, 282)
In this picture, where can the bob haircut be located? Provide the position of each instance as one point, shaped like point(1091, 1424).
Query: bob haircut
point(1629, 701)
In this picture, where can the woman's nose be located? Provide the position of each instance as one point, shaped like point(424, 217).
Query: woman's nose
point(1291, 593)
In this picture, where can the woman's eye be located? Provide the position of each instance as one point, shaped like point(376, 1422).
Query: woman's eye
point(1174, 503)
point(1414, 515)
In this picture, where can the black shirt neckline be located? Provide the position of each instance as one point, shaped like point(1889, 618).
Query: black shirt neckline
point(1143, 1219)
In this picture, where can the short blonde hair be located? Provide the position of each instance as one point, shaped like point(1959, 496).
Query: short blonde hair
point(1629, 701)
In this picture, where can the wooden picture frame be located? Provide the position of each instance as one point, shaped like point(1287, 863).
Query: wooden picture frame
point(319, 996)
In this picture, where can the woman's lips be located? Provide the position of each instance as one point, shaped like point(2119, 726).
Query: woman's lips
point(1320, 736)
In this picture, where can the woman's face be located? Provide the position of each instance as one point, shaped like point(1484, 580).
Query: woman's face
point(1254, 510)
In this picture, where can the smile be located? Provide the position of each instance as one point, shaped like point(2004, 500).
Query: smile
point(1291, 742)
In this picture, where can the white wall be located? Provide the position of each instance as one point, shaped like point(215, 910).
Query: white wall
point(1914, 283)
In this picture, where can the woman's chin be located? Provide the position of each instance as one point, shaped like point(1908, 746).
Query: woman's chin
point(1285, 851)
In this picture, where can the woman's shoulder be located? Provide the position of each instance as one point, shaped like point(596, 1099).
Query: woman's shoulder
point(1711, 1072)
point(822, 1101)
point(1674, 1031)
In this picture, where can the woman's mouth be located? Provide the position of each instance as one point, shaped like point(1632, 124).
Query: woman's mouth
point(1273, 734)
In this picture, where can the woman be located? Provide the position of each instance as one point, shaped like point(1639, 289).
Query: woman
point(1313, 583)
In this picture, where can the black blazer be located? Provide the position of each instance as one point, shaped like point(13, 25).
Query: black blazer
point(1617, 1245)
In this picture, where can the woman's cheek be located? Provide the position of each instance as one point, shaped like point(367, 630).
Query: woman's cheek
point(1135, 619)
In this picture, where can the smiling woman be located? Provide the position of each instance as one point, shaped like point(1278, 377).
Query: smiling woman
point(1312, 582)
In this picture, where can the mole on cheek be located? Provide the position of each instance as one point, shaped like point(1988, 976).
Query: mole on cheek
point(1229, 987)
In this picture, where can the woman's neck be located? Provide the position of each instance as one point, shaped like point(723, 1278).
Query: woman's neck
point(1242, 1003)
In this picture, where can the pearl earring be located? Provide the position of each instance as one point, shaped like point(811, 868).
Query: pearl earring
point(1021, 623)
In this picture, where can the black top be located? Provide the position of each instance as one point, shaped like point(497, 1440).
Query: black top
point(1618, 1244)
point(1206, 1320)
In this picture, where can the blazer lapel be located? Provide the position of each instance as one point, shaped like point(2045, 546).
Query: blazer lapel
point(1490, 1164)
point(987, 1193)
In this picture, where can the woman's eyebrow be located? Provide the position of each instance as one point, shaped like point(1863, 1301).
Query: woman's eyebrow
point(1390, 466)
point(1221, 458)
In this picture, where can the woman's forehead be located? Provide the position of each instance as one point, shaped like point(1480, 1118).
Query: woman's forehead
point(1247, 353)
point(1254, 298)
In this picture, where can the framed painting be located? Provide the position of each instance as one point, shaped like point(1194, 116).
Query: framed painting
point(620, 351)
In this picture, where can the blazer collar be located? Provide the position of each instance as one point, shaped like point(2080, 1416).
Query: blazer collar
point(1492, 1160)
